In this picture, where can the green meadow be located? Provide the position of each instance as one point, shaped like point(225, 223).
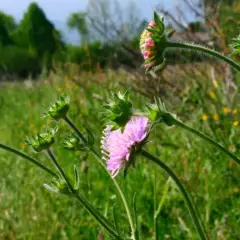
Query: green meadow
point(29, 211)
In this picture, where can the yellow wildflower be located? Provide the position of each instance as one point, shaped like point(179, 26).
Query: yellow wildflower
point(215, 83)
point(59, 89)
point(212, 95)
point(204, 117)
point(215, 117)
point(226, 110)
point(234, 111)
point(235, 123)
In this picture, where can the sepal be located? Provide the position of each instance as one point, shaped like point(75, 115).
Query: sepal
point(42, 141)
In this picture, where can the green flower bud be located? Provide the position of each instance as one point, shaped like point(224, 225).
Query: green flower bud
point(59, 109)
point(118, 110)
point(236, 46)
point(73, 143)
point(162, 114)
point(42, 141)
point(58, 186)
point(152, 112)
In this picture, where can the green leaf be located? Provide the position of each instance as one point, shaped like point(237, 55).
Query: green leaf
point(115, 220)
point(135, 211)
point(77, 179)
point(149, 60)
point(159, 22)
point(153, 30)
point(52, 189)
point(90, 136)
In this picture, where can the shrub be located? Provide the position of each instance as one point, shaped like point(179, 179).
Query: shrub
point(16, 60)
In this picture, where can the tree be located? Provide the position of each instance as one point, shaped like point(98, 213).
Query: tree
point(38, 33)
point(5, 38)
point(9, 21)
point(78, 21)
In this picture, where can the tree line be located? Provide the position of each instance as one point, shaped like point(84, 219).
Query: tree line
point(34, 44)
point(109, 35)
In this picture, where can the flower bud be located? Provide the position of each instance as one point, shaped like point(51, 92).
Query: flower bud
point(42, 141)
point(59, 109)
point(118, 110)
point(153, 43)
point(58, 186)
point(73, 143)
point(158, 112)
point(236, 46)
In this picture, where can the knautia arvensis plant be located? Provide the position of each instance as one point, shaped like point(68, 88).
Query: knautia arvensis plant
point(155, 41)
point(125, 136)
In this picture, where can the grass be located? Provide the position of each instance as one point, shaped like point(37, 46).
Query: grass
point(29, 211)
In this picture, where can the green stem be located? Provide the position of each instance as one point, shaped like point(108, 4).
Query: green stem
point(165, 191)
point(28, 158)
point(155, 205)
point(125, 203)
point(72, 125)
point(208, 139)
point(193, 212)
point(98, 216)
point(206, 50)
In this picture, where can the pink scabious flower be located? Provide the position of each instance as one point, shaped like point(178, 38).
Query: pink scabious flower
point(152, 24)
point(117, 147)
point(147, 44)
point(148, 65)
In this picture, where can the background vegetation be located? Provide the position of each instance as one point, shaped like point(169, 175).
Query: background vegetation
point(203, 93)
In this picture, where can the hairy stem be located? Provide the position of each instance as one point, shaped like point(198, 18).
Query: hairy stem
point(98, 216)
point(208, 139)
point(194, 214)
point(125, 203)
point(28, 158)
point(203, 49)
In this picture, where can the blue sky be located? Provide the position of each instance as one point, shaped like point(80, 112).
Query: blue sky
point(59, 10)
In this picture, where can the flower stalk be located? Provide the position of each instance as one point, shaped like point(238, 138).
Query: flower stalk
point(192, 209)
point(162, 115)
point(211, 52)
point(125, 203)
point(206, 138)
point(98, 216)
point(28, 158)
point(154, 42)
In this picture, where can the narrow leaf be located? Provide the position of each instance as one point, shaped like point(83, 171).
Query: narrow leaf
point(52, 189)
point(115, 220)
point(77, 179)
point(159, 21)
point(90, 136)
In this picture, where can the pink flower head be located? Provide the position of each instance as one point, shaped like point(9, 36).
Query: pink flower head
point(117, 146)
point(147, 54)
point(149, 34)
point(149, 42)
point(152, 24)
point(148, 65)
